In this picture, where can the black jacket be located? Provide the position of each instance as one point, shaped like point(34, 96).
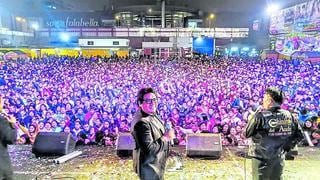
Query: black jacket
point(272, 131)
point(151, 152)
point(7, 136)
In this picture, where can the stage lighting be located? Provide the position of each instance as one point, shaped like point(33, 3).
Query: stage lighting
point(64, 37)
point(272, 8)
point(51, 7)
point(245, 49)
point(35, 26)
point(200, 38)
point(234, 49)
point(19, 18)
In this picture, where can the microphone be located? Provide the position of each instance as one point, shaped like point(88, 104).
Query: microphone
point(256, 108)
point(169, 127)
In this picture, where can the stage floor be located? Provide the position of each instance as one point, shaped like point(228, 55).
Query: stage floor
point(103, 163)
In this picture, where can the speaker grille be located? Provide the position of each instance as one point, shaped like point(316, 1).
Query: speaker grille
point(125, 141)
point(204, 145)
point(52, 143)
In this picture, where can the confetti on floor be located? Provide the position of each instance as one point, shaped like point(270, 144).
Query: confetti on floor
point(102, 163)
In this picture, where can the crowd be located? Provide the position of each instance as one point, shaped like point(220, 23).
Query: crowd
point(95, 98)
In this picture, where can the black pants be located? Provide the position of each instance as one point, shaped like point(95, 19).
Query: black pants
point(270, 169)
point(148, 173)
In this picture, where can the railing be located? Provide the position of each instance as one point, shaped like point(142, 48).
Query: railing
point(5, 31)
point(148, 32)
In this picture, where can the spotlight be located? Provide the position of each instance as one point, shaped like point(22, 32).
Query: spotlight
point(245, 49)
point(234, 49)
point(64, 37)
point(199, 38)
point(272, 8)
point(18, 18)
point(35, 26)
point(211, 16)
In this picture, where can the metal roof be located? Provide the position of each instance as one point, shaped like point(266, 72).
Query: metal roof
point(215, 6)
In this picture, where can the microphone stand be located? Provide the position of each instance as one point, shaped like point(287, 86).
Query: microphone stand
point(176, 158)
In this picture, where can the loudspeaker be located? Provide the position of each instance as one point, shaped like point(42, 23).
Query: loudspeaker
point(53, 144)
point(125, 145)
point(204, 145)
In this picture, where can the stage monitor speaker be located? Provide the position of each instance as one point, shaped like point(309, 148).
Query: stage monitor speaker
point(125, 145)
point(204, 145)
point(53, 144)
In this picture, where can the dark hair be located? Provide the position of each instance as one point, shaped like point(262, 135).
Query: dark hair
point(143, 92)
point(275, 94)
point(317, 131)
point(219, 127)
point(304, 111)
point(26, 137)
point(314, 119)
point(34, 126)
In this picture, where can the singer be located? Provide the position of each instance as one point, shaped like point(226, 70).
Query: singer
point(274, 131)
point(7, 136)
point(151, 138)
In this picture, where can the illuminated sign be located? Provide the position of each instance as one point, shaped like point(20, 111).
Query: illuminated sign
point(73, 22)
point(303, 17)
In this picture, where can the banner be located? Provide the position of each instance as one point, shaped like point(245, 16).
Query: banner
point(15, 53)
point(304, 17)
point(71, 22)
point(294, 42)
point(203, 45)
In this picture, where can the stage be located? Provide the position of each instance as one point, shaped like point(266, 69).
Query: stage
point(103, 163)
